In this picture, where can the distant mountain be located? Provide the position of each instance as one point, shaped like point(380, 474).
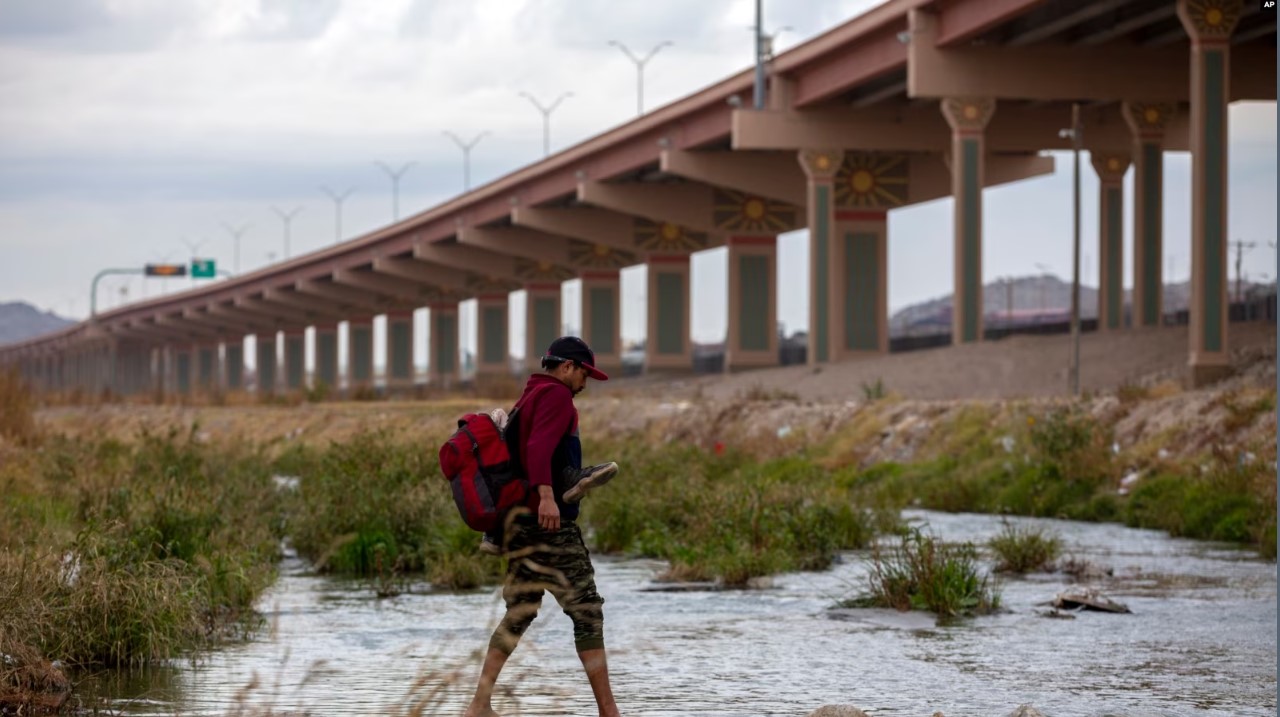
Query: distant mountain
point(1034, 295)
point(20, 320)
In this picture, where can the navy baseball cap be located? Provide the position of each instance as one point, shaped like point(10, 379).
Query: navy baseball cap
point(572, 348)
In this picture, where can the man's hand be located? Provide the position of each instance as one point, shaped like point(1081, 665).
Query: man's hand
point(548, 511)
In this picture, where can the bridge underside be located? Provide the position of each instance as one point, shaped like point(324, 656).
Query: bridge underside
point(910, 103)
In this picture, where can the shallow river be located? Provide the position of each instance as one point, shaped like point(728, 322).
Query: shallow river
point(1201, 641)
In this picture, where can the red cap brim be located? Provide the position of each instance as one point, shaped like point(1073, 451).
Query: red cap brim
point(595, 373)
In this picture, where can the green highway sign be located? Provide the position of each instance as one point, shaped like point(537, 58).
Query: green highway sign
point(203, 269)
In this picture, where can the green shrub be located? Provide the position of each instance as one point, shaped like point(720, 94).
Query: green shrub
point(723, 517)
point(1024, 550)
point(925, 574)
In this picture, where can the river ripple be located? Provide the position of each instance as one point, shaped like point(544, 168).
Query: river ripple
point(1201, 641)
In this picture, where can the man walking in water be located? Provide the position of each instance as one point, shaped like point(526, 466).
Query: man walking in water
point(544, 545)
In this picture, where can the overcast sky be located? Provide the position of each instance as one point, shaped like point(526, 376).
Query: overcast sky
point(132, 129)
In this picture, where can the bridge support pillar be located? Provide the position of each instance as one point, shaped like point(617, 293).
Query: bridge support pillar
point(1111, 167)
point(1210, 26)
point(968, 117)
point(399, 351)
point(542, 321)
point(359, 355)
point(667, 345)
point(326, 375)
point(492, 356)
point(183, 369)
point(444, 344)
point(233, 365)
point(1146, 123)
point(295, 359)
point(602, 318)
point(206, 361)
point(820, 167)
point(265, 360)
point(752, 339)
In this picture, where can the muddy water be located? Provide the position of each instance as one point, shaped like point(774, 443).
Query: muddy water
point(1201, 641)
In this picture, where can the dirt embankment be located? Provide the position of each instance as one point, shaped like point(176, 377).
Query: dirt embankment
point(1131, 379)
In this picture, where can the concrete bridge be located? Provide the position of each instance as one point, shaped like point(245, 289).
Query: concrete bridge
point(911, 101)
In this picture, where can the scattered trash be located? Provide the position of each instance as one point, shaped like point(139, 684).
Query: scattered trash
point(286, 482)
point(1007, 443)
point(784, 431)
point(1129, 479)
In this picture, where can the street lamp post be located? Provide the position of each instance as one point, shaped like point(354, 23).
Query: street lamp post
point(194, 246)
point(758, 94)
point(395, 175)
point(466, 155)
point(338, 199)
point(639, 63)
point(287, 218)
point(236, 233)
point(546, 117)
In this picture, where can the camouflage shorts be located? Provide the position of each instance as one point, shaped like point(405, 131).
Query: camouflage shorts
point(557, 562)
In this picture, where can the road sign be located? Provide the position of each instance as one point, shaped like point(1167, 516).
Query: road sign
point(165, 270)
point(203, 269)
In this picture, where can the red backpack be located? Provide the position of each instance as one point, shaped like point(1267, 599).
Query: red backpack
point(485, 478)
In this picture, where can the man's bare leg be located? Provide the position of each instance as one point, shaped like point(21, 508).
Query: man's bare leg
point(597, 669)
point(481, 705)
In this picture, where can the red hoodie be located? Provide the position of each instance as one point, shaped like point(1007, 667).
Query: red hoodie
point(547, 417)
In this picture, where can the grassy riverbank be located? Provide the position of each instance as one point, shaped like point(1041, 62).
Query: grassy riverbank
point(134, 533)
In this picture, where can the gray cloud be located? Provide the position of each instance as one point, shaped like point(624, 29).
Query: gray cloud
point(90, 26)
point(638, 24)
point(292, 19)
point(24, 18)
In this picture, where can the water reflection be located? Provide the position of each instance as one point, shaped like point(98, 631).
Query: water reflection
point(1201, 641)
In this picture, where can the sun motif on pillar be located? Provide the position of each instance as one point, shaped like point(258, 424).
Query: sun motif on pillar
point(1211, 19)
point(489, 284)
point(587, 255)
point(667, 237)
point(751, 214)
point(872, 180)
point(1147, 118)
point(529, 270)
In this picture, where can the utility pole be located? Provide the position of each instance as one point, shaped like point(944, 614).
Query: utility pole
point(639, 63)
point(287, 218)
point(466, 155)
point(1075, 133)
point(1042, 281)
point(395, 175)
point(1008, 301)
point(1240, 247)
point(338, 199)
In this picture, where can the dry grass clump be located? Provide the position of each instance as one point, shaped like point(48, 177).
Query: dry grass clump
point(17, 409)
